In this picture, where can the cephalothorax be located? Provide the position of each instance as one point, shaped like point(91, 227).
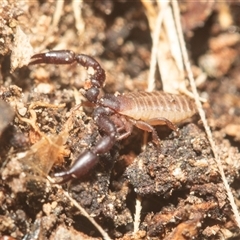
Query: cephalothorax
point(116, 114)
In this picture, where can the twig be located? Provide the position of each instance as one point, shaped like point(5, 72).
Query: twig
point(57, 13)
point(79, 23)
point(201, 111)
point(137, 215)
point(81, 209)
point(151, 87)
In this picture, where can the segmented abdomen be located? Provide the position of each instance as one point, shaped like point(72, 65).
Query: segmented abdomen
point(149, 105)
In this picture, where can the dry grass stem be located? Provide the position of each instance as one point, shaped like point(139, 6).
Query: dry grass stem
point(154, 51)
point(202, 113)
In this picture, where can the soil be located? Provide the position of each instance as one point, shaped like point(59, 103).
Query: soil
point(45, 124)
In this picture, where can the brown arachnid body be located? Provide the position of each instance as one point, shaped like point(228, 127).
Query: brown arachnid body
point(116, 114)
